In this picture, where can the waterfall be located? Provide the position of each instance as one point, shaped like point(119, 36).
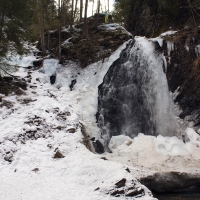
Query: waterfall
point(134, 96)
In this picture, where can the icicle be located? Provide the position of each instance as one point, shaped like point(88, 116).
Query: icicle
point(170, 47)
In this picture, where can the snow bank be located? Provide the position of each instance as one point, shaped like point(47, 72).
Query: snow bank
point(114, 27)
point(160, 153)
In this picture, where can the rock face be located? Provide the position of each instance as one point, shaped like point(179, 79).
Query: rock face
point(153, 17)
point(172, 182)
point(183, 71)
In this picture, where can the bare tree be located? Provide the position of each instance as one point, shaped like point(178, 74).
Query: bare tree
point(59, 29)
point(92, 7)
point(72, 15)
point(41, 20)
point(81, 10)
point(86, 21)
point(75, 9)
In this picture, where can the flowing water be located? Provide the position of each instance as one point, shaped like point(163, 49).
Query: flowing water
point(134, 96)
point(178, 196)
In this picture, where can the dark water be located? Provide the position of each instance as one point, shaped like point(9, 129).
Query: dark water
point(178, 196)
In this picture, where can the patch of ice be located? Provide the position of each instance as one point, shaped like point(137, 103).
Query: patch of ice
point(197, 50)
point(168, 33)
point(50, 66)
point(170, 47)
point(116, 141)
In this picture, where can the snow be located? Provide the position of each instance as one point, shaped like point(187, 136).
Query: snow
point(113, 27)
point(36, 126)
point(67, 41)
point(159, 39)
point(168, 33)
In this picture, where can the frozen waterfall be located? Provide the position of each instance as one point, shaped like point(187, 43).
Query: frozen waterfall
point(134, 96)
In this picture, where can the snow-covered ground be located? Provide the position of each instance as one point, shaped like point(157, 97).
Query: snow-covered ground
point(43, 124)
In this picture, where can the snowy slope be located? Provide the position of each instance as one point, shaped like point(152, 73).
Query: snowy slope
point(46, 121)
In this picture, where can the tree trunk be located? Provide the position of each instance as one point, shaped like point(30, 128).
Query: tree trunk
point(41, 19)
point(59, 31)
point(81, 10)
point(63, 12)
point(98, 10)
point(86, 21)
point(98, 7)
point(72, 15)
point(92, 7)
point(75, 10)
point(48, 40)
point(2, 21)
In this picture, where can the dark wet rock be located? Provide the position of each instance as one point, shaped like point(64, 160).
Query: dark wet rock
point(5, 103)
point(35, 169)
point(8, 158)
point(33, 86)
point(38, 63)
point(58, 154)
point(172, 182)
point(98, 147)
point(59, 127)
point(49, 145)
point(28, 100)
point(121, 183)
point(21, 84)
point(183, 71)
point(71, 86)
point(53, 79)
point(134, 192)
point(117, 192)
point(128, 170)
point(8, 78)
point(71, 130)
point(104, 158)
point(97, 189)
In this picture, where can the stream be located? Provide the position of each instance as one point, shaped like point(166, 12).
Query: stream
point(178, 196)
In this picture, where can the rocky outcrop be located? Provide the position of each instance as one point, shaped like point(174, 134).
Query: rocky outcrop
point(182, 50)
point(173, 182)
point(153, 17)
point(101, 43)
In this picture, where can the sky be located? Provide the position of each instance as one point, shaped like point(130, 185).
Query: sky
point(104, 6)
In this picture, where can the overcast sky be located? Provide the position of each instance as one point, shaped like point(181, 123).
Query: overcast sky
point(104, 6)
